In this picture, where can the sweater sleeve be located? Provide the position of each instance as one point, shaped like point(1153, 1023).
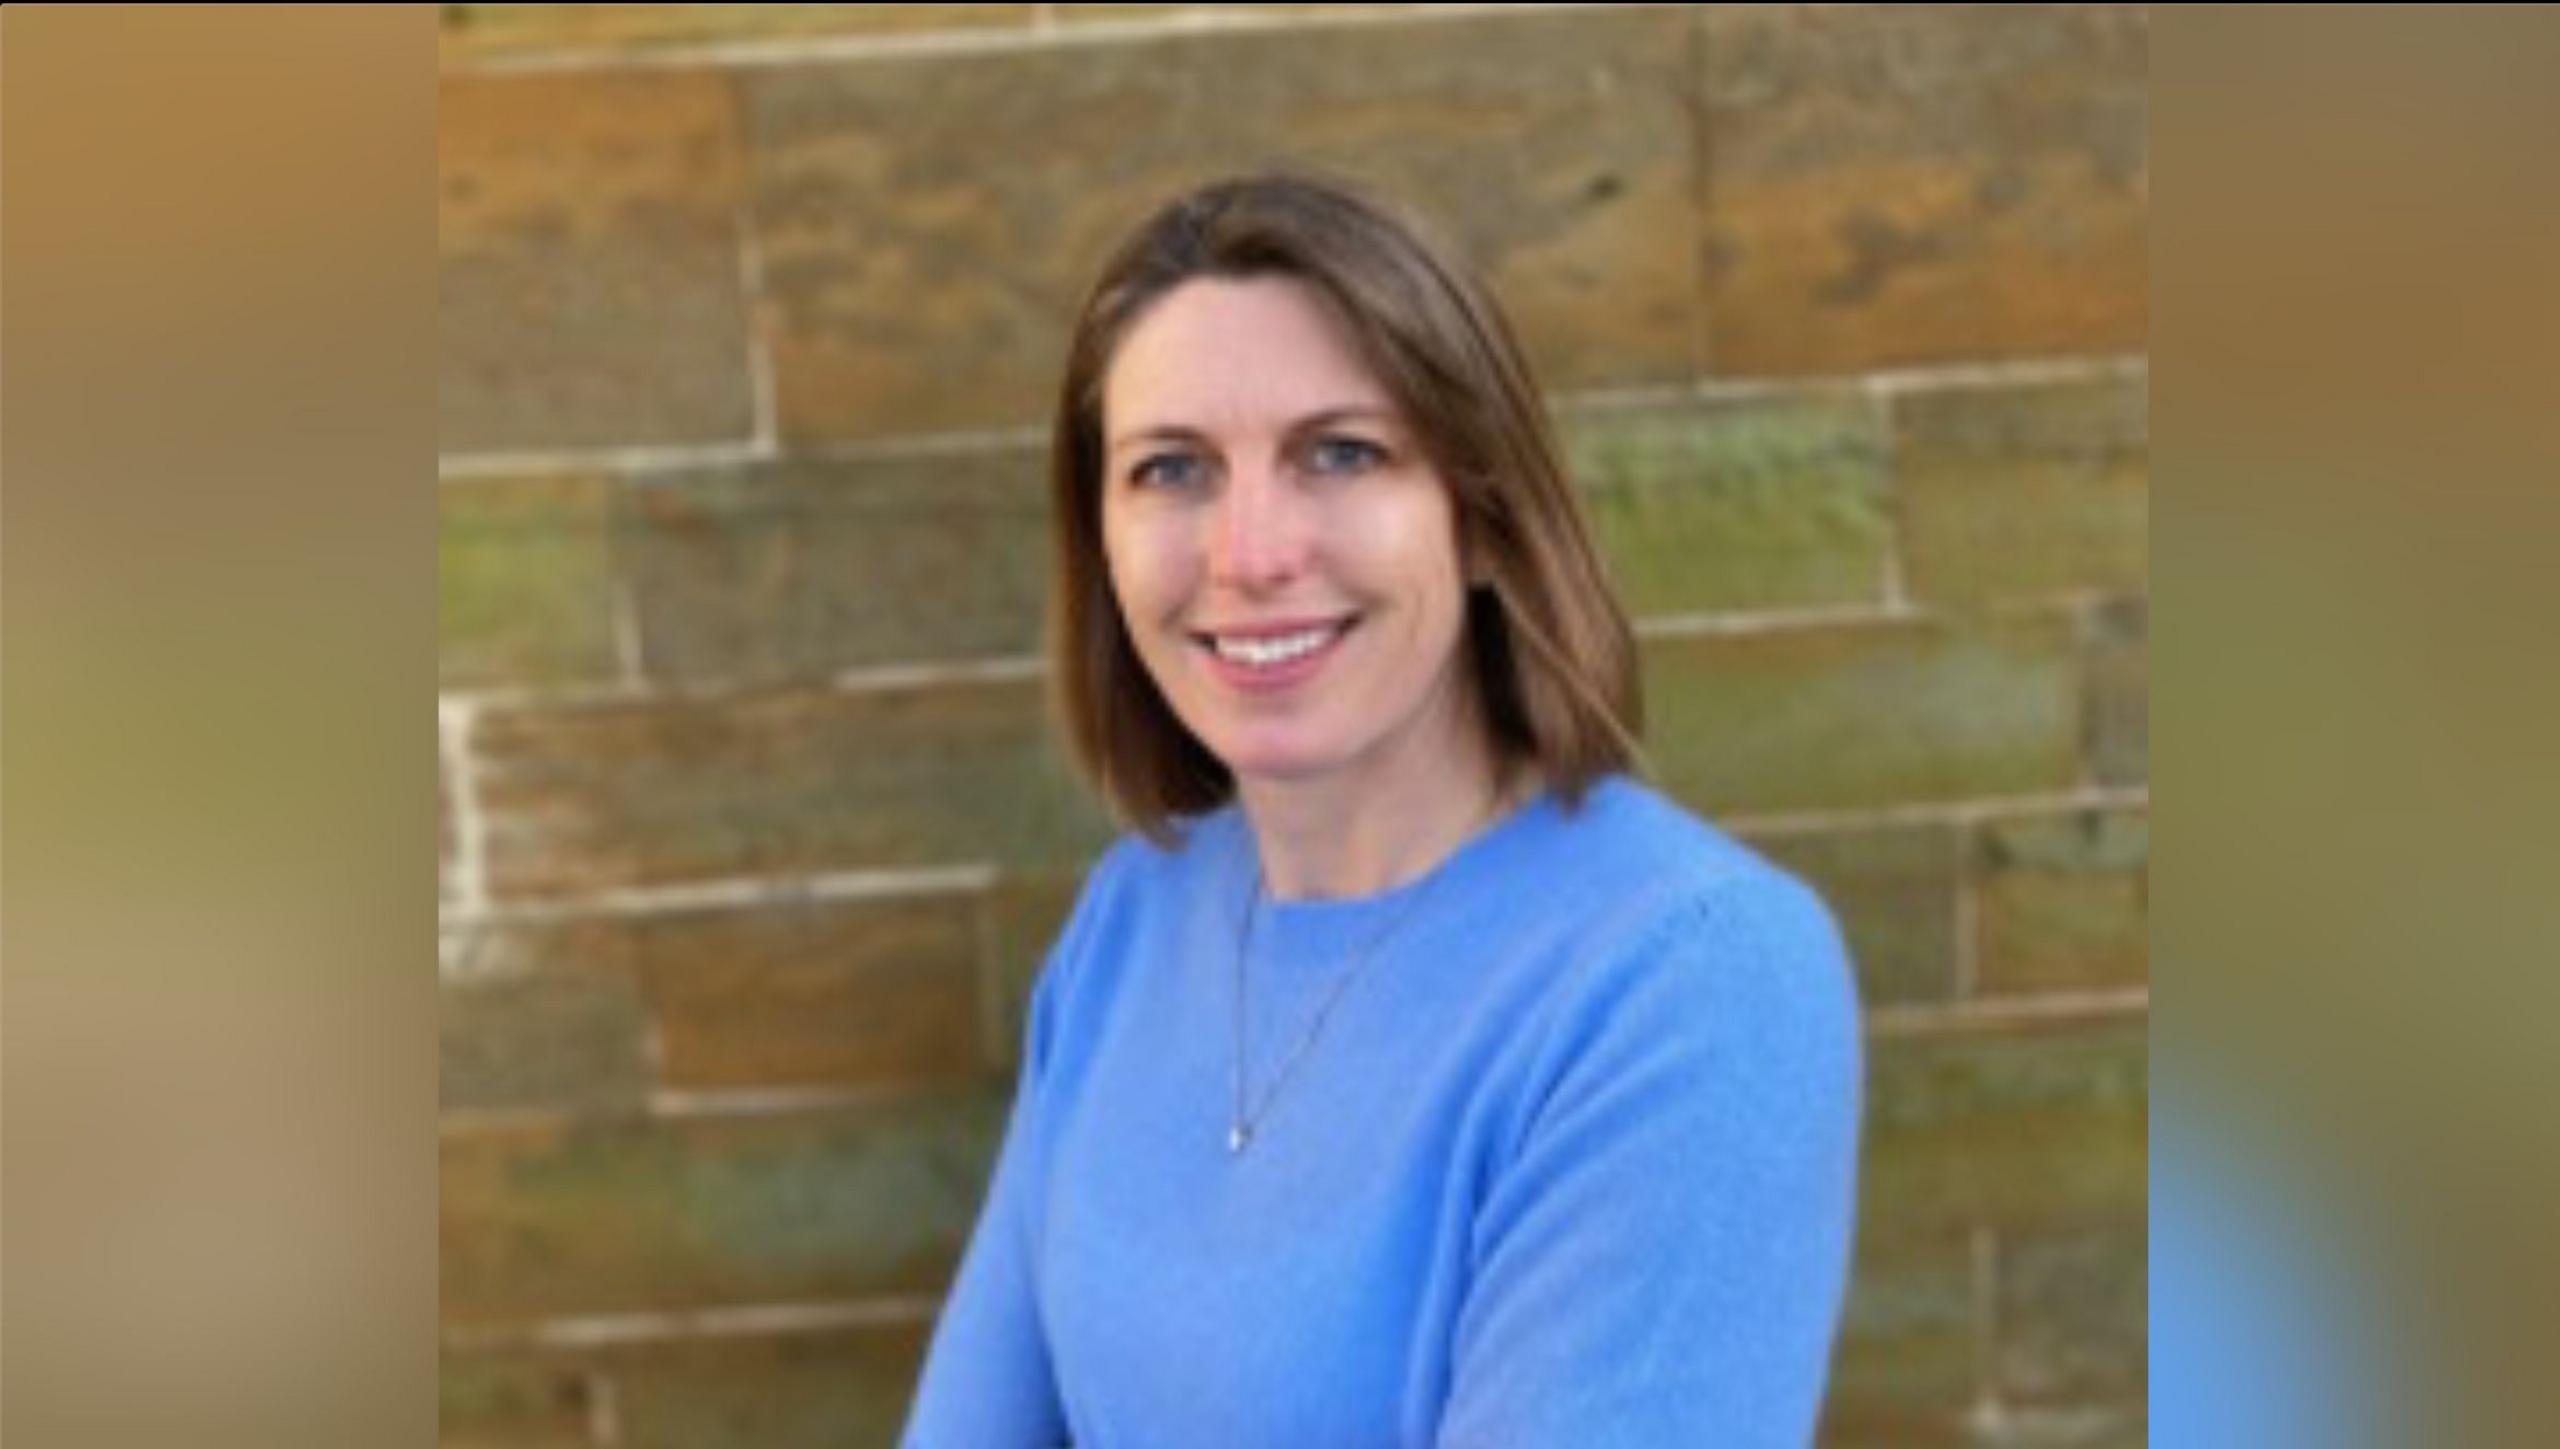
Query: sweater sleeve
point(987, 1378)
point(1662, 1259)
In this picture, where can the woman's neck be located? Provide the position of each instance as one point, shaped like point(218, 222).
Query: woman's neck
point(1349, 835)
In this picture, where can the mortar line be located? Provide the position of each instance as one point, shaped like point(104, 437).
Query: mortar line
point(692, 1104)
point(604, 1410)
point(1938, 812)
point(1984, 1413)
point(663, 1105)
point(764, 424)
point(1027, 38)
point(1727, 623)
point(886, 678)
point(642, 460)
point(2012, 372)
point(734, 893)
point(1994, 1012)
point(745, 1320)
point(470, 867)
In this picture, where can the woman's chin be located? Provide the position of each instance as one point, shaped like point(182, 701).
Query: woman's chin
point(1278, 762)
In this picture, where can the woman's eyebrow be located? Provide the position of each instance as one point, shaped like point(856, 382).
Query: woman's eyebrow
point(1329, 416)
point(1321, 418)
point(1157, 433)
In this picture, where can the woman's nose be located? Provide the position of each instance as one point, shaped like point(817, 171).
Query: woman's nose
point(1260, 533)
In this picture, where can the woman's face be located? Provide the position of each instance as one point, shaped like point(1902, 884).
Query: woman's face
point(1282, 552)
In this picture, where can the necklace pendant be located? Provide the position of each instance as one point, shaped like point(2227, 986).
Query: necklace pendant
point(1237, 1136)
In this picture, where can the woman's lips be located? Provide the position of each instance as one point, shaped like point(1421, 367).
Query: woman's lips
point(1265, 660)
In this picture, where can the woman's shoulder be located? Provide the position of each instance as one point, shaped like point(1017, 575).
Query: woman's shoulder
point(1654, 886)
point(1137, 877)
point(1625, 840)
point(1121, 915)
point(1191, 849)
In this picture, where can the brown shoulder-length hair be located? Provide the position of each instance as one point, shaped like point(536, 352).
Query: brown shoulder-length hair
point(1552, 656)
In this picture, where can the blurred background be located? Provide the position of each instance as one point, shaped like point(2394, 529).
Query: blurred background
point(751, 832)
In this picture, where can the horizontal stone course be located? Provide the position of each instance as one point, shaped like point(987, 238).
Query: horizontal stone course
point(1864, 714)
point(2024, 491)
point(544, 1221)
point(1750, 504)
point(2063, 902)
point(906, 244)
point(1894, 185)
point(590, 290)
point(799, 570)
point(524, 581)
point(768, 783)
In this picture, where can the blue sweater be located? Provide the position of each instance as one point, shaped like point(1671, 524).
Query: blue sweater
point(1572, 1164)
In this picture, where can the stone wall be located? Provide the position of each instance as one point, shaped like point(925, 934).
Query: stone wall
point(753, 832)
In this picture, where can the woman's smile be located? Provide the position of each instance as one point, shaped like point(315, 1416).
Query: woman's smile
point(1273, 657)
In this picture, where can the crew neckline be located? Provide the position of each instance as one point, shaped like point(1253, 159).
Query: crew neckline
point(1319, 927)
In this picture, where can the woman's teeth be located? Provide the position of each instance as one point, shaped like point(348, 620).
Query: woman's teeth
point(1273, 649)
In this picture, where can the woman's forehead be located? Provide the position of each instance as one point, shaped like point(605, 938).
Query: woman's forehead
point(1225, 352)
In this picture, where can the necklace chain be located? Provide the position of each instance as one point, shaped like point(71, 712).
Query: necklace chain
point(1241, 1125)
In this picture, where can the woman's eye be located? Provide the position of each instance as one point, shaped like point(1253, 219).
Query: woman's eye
point(1346, 455)
point(1167, 470)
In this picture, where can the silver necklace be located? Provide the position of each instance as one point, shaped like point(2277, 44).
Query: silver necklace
point(1240, 1126)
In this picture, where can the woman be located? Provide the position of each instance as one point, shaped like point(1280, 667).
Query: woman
point(1410, 1075)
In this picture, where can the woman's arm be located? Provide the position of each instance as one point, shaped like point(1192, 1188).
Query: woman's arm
point(1663, 1260)
point(988, 1381)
